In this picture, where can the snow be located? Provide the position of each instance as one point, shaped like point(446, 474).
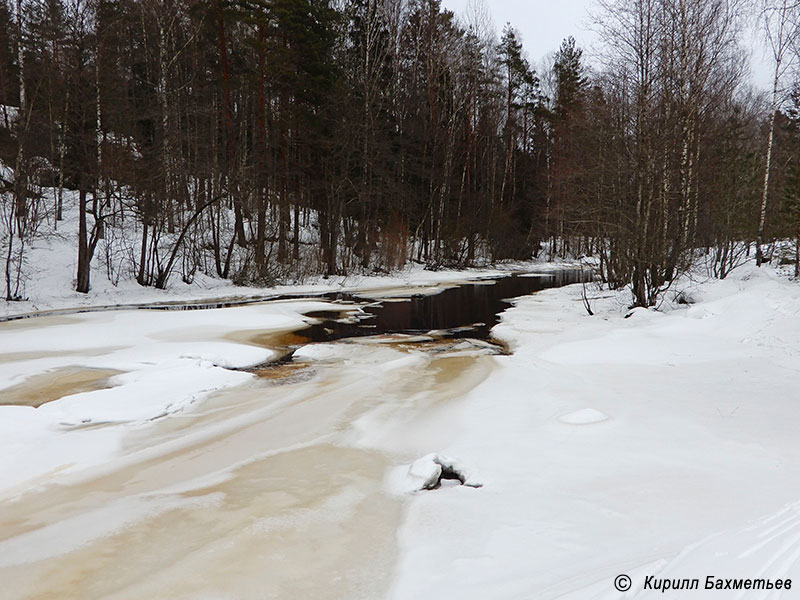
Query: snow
point(426, 474)
point(584, 416)
point(321, 352)
point(662, 444)
point(51, 267)
point(685, 463)
point(768, 548)
point(7, 110)
point(169, 361)
point(143, 395)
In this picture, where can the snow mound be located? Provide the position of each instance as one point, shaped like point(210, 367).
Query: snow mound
point(149, 393)
point(227, 356)
point(585, 416)
point(643, 313)
point(428, 472)
point(323, 352)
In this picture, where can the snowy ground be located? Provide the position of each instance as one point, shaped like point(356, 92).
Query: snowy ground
point(51, 287)
point(48, 281)
point(54, 293)
point(664, 444)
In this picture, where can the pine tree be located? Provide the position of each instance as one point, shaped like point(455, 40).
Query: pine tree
point(570, 87)
point(570, 78)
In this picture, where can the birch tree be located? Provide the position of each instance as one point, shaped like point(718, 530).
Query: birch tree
point(780, 19)
point(675, 61)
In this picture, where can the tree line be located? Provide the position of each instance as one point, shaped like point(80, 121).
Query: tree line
point(267, 140)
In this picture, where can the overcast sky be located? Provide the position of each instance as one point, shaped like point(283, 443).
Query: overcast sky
point(544, 23)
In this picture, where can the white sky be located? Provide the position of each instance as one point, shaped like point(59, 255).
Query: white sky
point(544, 23)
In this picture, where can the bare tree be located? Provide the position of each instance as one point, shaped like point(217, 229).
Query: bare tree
point(781, 30)
point(673, 61)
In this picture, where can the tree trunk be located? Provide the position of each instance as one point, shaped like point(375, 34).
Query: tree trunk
point(98, 181)
point(20, 58)
point(62, 150)
point(83, 243)
point(241, 239)
point(283, 217)
point(797, 252)
point(765, 190)
point(261, 139)
point(141, 277)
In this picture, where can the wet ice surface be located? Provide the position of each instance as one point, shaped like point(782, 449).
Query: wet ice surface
point(263, 491)
point(55, 384)
point(266, 480)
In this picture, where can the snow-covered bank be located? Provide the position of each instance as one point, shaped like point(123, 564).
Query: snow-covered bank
point(698, 438)
point(50, 268)
point(53, 290)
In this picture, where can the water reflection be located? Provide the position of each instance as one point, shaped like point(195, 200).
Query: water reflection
point(467, 310)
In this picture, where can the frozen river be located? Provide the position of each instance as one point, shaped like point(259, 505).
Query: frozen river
point(236, 452)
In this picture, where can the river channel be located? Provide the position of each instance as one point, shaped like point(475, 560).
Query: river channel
point(273, 488)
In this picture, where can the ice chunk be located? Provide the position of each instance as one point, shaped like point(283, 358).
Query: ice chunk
point(428, 472)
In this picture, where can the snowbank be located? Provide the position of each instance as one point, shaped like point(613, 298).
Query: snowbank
point(701, 443)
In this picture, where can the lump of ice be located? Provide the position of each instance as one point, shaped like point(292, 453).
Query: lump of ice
point(428, 472)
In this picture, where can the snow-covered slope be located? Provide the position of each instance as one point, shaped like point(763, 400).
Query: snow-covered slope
point(692, 471)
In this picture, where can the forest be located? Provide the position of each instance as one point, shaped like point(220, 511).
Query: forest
point(267, 141)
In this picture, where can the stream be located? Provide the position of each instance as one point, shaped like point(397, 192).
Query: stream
point(274, 488)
